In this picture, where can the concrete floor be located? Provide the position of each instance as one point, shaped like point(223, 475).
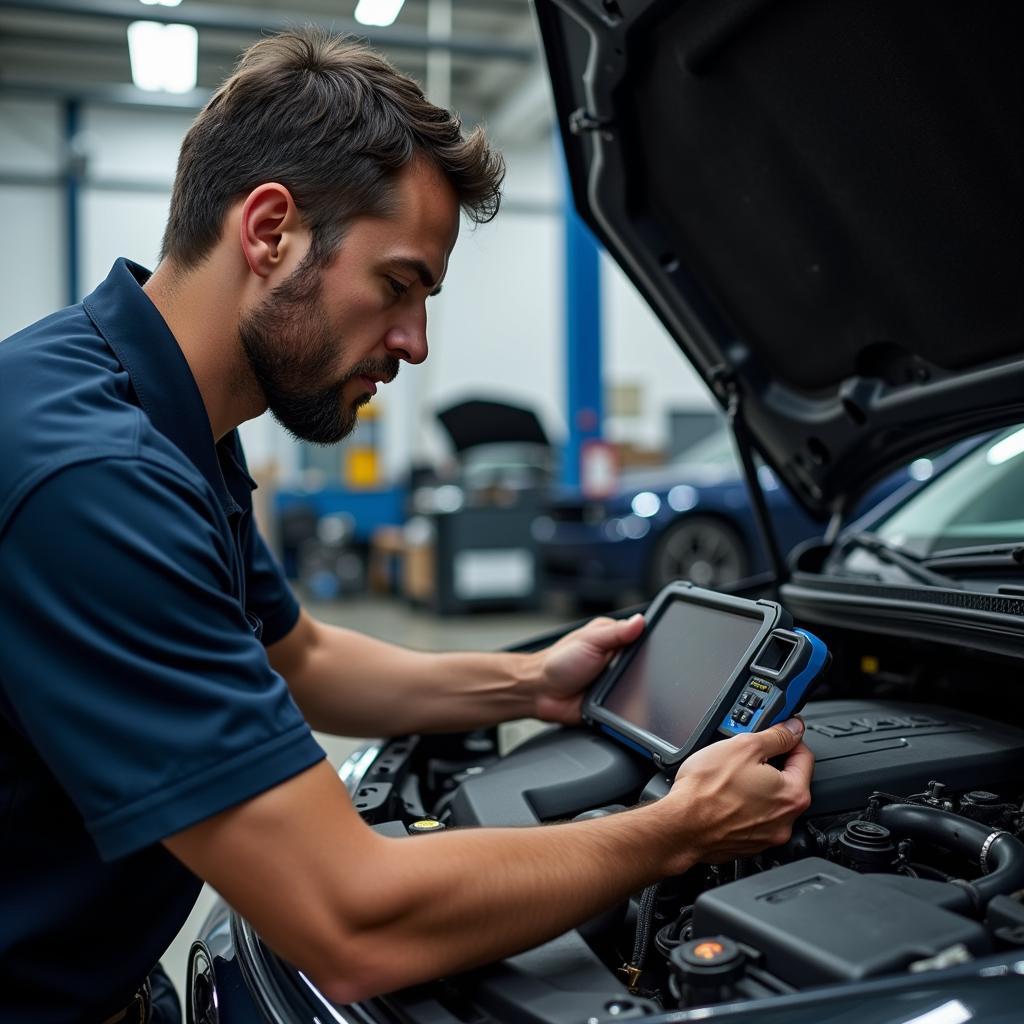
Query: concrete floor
point(394, 621)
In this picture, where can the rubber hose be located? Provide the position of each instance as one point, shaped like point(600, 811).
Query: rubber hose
point(1004, 858)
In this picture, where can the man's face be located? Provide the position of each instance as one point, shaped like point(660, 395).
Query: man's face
point(322, 340)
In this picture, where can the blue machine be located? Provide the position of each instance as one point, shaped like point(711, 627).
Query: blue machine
point(708, 666)
point(782, 674)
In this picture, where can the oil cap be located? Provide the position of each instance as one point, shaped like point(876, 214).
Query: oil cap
point(706, 970)
point(867, 845)
point(424, 826)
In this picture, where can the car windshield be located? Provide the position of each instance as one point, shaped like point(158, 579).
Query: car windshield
point(978, 501)
point(716, 449)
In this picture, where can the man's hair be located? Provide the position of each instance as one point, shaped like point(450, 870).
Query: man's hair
point(332, 121)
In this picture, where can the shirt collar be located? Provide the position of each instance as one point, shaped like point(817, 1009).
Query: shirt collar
point(140, 338)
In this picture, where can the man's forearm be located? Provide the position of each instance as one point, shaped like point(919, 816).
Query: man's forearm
point(363, 914)
point(354, 685)
point(460, 899)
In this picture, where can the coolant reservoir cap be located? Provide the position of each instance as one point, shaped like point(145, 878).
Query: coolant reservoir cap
point(425, 825)
point(714, 958)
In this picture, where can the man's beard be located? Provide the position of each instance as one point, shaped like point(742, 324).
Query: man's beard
point(288, 343)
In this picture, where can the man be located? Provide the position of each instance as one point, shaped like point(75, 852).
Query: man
point(153, 663)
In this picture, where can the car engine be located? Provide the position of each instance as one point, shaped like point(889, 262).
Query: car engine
point(908, 859)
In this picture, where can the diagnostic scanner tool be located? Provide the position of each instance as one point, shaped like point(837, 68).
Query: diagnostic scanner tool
point(707, 666)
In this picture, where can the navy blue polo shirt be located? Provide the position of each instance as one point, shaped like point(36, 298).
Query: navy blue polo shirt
point(136, 698)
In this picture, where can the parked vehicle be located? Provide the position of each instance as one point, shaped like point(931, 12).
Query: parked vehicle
point(691, 519)
point(822, 203)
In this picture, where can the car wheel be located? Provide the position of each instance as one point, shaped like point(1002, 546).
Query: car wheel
point(706, 551)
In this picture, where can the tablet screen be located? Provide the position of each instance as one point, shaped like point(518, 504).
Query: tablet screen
point(680, 668)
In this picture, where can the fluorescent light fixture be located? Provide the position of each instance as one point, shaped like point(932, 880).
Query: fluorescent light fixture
point(377, 12)
point(160, 3)
point(163, 57)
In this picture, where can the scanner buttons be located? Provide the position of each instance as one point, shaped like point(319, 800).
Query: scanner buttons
point(749, 702)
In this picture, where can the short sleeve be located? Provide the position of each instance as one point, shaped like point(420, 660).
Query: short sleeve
point(128, 662)
point(267, 593)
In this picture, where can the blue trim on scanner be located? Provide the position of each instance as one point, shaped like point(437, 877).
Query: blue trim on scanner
point(626, 741)
point(794, 692)
point(799, 686)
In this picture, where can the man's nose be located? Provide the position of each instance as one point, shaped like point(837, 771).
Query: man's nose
point(408, 340)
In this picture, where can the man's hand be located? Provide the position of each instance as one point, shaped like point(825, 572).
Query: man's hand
point(568, 667)
point(732, 803)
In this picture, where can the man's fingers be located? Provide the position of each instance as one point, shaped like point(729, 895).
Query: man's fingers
point(611, 633)
point(780, 739)
point(800, 764)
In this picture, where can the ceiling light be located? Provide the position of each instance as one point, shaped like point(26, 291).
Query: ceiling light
point(377, 12)
point(162, 3)
point(163, 57)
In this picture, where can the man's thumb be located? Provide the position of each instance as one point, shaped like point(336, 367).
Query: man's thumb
point(782, 738)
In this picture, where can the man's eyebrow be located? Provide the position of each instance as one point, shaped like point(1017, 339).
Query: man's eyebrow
point(421, 270)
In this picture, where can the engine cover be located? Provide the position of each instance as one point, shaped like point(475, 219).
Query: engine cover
point(866, 745)
point(817, 922)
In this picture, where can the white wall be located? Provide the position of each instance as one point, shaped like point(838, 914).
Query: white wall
point(32, 263)
point(638, 350)
point(497, 328)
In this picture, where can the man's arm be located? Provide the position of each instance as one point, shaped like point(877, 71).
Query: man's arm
point(354, 685)
point(363, 914)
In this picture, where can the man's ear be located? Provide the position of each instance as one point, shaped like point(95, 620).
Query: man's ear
point(271, 229)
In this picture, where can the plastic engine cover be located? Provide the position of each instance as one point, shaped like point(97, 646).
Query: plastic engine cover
point(817, 922)
point(864, 745)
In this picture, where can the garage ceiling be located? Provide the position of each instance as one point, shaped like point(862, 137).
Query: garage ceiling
point(491, 68)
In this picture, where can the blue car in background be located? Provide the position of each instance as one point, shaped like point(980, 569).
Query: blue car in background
point(691, 519)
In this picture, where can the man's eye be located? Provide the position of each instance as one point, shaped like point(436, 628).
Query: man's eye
point(397, 287)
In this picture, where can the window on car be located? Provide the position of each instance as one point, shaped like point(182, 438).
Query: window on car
point(977, 501)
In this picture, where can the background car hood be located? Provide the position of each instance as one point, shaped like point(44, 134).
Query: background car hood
point(476, 422)
point(821, 201)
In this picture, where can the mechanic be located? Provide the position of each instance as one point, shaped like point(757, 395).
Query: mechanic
point(158, 680)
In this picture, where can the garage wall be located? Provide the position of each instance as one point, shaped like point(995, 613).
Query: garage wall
point(31, 208)
point(497, 328)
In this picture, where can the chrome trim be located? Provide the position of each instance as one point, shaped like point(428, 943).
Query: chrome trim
point(202, 999)
point(354, 768)
point(986, 846)
point(355, 1013)
point(258, 964)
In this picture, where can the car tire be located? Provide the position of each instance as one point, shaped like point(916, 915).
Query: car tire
point(707, 551)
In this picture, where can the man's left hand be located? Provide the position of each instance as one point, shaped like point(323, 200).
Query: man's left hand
point(568, 667)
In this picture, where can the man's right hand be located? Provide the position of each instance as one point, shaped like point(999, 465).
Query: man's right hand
point(362, 914)
point(730, 802)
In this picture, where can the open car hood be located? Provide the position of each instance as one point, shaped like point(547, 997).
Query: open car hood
point(481, 421)
point(821, 201)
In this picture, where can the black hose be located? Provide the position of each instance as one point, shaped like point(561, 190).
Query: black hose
point(644, 923)
point(1000, 855)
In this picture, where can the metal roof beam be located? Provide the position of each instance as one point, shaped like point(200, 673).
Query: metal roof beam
point(255, 22)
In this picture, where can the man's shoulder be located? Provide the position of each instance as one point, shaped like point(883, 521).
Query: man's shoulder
point(65, 400)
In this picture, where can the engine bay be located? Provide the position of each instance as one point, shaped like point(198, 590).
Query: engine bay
point(909, 859)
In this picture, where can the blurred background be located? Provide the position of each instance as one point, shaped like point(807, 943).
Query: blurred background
point(555, 455)
point(545, 449)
